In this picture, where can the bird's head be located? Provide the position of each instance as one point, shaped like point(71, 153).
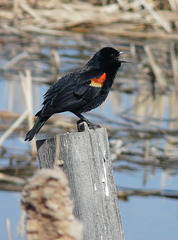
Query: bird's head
point(108, 57)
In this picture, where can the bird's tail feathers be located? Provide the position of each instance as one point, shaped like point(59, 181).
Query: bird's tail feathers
point(38, 113)
point(36, 128)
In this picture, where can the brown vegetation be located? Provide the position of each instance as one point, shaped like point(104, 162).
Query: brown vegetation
point(144, 19)
point(48, 208)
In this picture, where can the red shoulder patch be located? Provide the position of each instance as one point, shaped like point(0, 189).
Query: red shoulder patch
point(98, 82)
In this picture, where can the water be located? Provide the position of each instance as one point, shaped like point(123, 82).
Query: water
point(150, 218)
point(9, 209)
point(145, 218)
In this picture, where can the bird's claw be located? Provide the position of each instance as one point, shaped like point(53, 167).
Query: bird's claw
point(93, 126)
point(81, 127)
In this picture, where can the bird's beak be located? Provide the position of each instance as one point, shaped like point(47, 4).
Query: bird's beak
point(120, 53)
point(122, 60)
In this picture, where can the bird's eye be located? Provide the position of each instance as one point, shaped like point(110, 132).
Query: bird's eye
point(113, 55)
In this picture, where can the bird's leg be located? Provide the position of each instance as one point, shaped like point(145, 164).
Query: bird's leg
point(83, 119)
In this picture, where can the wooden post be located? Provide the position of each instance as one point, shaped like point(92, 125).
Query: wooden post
point(85, 158)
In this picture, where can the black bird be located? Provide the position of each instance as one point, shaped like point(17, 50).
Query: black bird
point(80, 91)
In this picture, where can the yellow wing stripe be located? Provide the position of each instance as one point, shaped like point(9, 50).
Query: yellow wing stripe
point(95, 84)
point(98, 82)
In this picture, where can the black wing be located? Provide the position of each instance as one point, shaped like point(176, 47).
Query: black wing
point(59, 86)
point(85, 89)
point(70, 92)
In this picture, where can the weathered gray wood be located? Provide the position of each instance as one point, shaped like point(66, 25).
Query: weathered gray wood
point(47, 152)
point(88, 166)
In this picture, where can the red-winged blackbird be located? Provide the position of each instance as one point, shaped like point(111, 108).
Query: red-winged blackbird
point(80, 91)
